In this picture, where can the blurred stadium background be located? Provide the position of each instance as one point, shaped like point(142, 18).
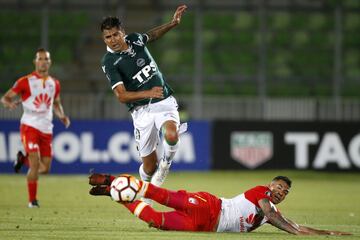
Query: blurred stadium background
point(287, 71)
point(264, 84)
point(265, 60)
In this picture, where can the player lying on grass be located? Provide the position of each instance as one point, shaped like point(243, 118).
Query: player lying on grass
point(202, 211)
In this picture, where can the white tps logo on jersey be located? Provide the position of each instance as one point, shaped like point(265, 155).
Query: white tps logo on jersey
point(251, 148)
point(146, 73)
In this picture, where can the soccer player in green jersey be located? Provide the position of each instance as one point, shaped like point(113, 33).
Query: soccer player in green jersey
point(137, 81)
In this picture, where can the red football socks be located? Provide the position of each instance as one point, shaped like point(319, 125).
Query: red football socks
point(145, 213)
point(32, 189)
point(112, 178)
point(176, 200)
point(175, 220)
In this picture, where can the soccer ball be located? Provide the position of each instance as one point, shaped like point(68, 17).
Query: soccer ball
point(124, 188)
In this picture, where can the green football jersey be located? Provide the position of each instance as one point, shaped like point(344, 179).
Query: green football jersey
point(135, 68)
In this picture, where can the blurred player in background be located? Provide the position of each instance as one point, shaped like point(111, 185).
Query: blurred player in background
point(137, 81)
point(202, 211)
point(40, 95)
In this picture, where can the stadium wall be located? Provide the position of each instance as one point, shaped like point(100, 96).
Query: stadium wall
point(109, 146)
point(105, 146)
point(286, 145)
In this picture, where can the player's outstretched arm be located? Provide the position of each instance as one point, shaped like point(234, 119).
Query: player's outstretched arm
point(7, 100)
point(322, 232)
point(157, 32)
point(314, 231)
point(276, 219)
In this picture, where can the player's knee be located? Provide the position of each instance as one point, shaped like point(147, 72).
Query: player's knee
point(34, 166)
point(152, 217)
point(171, 137)
point(45, 171)
point(32, 174)
point(156, 223)
point(170, 132)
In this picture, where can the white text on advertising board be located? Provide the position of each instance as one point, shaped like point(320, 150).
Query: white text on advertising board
point(329, 149)
point(69, 147)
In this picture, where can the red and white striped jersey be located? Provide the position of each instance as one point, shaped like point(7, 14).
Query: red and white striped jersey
point(37, 95)
point(243, 213)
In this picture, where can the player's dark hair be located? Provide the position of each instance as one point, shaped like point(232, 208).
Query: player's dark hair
point(41, 49)
point(110, 22)
point(284, 178)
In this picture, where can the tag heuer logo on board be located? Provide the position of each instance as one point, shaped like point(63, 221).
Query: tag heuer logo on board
point(251, 149)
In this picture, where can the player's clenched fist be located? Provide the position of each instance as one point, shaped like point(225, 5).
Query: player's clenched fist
point(10, 104)
point(156, 92)
point(66, 121)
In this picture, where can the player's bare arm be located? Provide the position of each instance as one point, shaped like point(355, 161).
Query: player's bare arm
point(130, 96)
point(276, 219)
point(7, 100)
point(157, 32)
point(59, 111)
point(314, 231)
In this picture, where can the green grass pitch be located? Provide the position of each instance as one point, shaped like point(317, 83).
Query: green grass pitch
point(317, 199)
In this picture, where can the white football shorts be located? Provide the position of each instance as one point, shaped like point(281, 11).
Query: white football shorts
point(148, 120)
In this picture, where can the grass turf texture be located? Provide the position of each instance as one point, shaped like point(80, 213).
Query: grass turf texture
point(317, 199)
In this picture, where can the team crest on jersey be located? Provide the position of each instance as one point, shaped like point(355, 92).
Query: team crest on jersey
point(250, 219)
point(193, 201)
point(251, 149)
point(33, 146)
point(42, 100)
point(140, 62)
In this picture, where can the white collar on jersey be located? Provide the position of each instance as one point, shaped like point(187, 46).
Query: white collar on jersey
point(129, 51)
point(109, 49)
